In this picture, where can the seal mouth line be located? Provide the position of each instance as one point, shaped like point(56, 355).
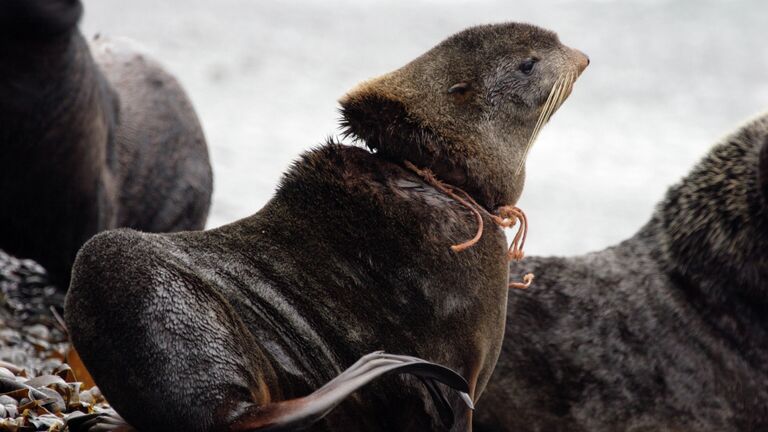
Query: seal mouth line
point(560, 91)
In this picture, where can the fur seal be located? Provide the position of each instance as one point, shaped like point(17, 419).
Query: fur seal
point(666, 331)
point(89, 142)
point(237, 328)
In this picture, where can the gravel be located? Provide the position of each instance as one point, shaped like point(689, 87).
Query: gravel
point(39, 391)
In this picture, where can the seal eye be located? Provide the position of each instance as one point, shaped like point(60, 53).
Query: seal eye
point(459, 89)
point(526, 67)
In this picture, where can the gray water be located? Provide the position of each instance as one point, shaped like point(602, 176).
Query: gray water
point(668, 78)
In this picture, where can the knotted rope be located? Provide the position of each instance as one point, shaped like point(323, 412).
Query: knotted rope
point(507, 217)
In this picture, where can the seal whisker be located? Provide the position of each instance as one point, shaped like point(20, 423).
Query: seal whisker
point(544, 109)
point(543, 118)
point(541, 121)
point(563, 91)
point(571, 79)
point(560, 95)
point(559, 98)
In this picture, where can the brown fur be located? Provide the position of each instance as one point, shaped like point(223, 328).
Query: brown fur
point(475, 138)
point(351, 255)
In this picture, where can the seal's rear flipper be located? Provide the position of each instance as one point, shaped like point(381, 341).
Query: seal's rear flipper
point(300, 413)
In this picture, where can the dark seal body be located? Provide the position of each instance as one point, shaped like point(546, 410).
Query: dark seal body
point(238, 328)
point(341, 262)
point(89, 142)
point(667, 331)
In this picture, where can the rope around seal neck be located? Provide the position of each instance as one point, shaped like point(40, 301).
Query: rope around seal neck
point(507, 217)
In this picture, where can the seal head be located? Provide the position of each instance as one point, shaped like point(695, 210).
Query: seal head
point(468, 108)
point(39, 19)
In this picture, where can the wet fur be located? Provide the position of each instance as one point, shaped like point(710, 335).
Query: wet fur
point(288, 307)
point(89, 142)
point(666, 331)
point(351, 255)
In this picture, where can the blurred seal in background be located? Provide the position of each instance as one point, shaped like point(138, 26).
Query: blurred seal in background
point(91, 138)
point(667, 331)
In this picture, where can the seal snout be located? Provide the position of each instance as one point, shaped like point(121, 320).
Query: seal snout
point(582, 60)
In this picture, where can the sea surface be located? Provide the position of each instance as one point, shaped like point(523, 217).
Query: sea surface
point(668, 79)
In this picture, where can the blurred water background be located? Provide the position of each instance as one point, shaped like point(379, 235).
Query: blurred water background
point(668, 78)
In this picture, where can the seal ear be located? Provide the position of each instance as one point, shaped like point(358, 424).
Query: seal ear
point(371, 114)
point(376, 115)
point(762, 169)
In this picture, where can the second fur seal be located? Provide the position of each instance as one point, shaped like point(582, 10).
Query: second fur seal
point(91, 138)
point(666, 331)
point(240, 328)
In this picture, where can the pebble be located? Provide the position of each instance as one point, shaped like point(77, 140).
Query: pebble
point(39, 331)
point(96, 393)
point(32, 341)
point(86, 397)
point(7, 400)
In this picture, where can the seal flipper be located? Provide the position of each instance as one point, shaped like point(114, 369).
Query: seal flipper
point(441, 403)
point(302, 412)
